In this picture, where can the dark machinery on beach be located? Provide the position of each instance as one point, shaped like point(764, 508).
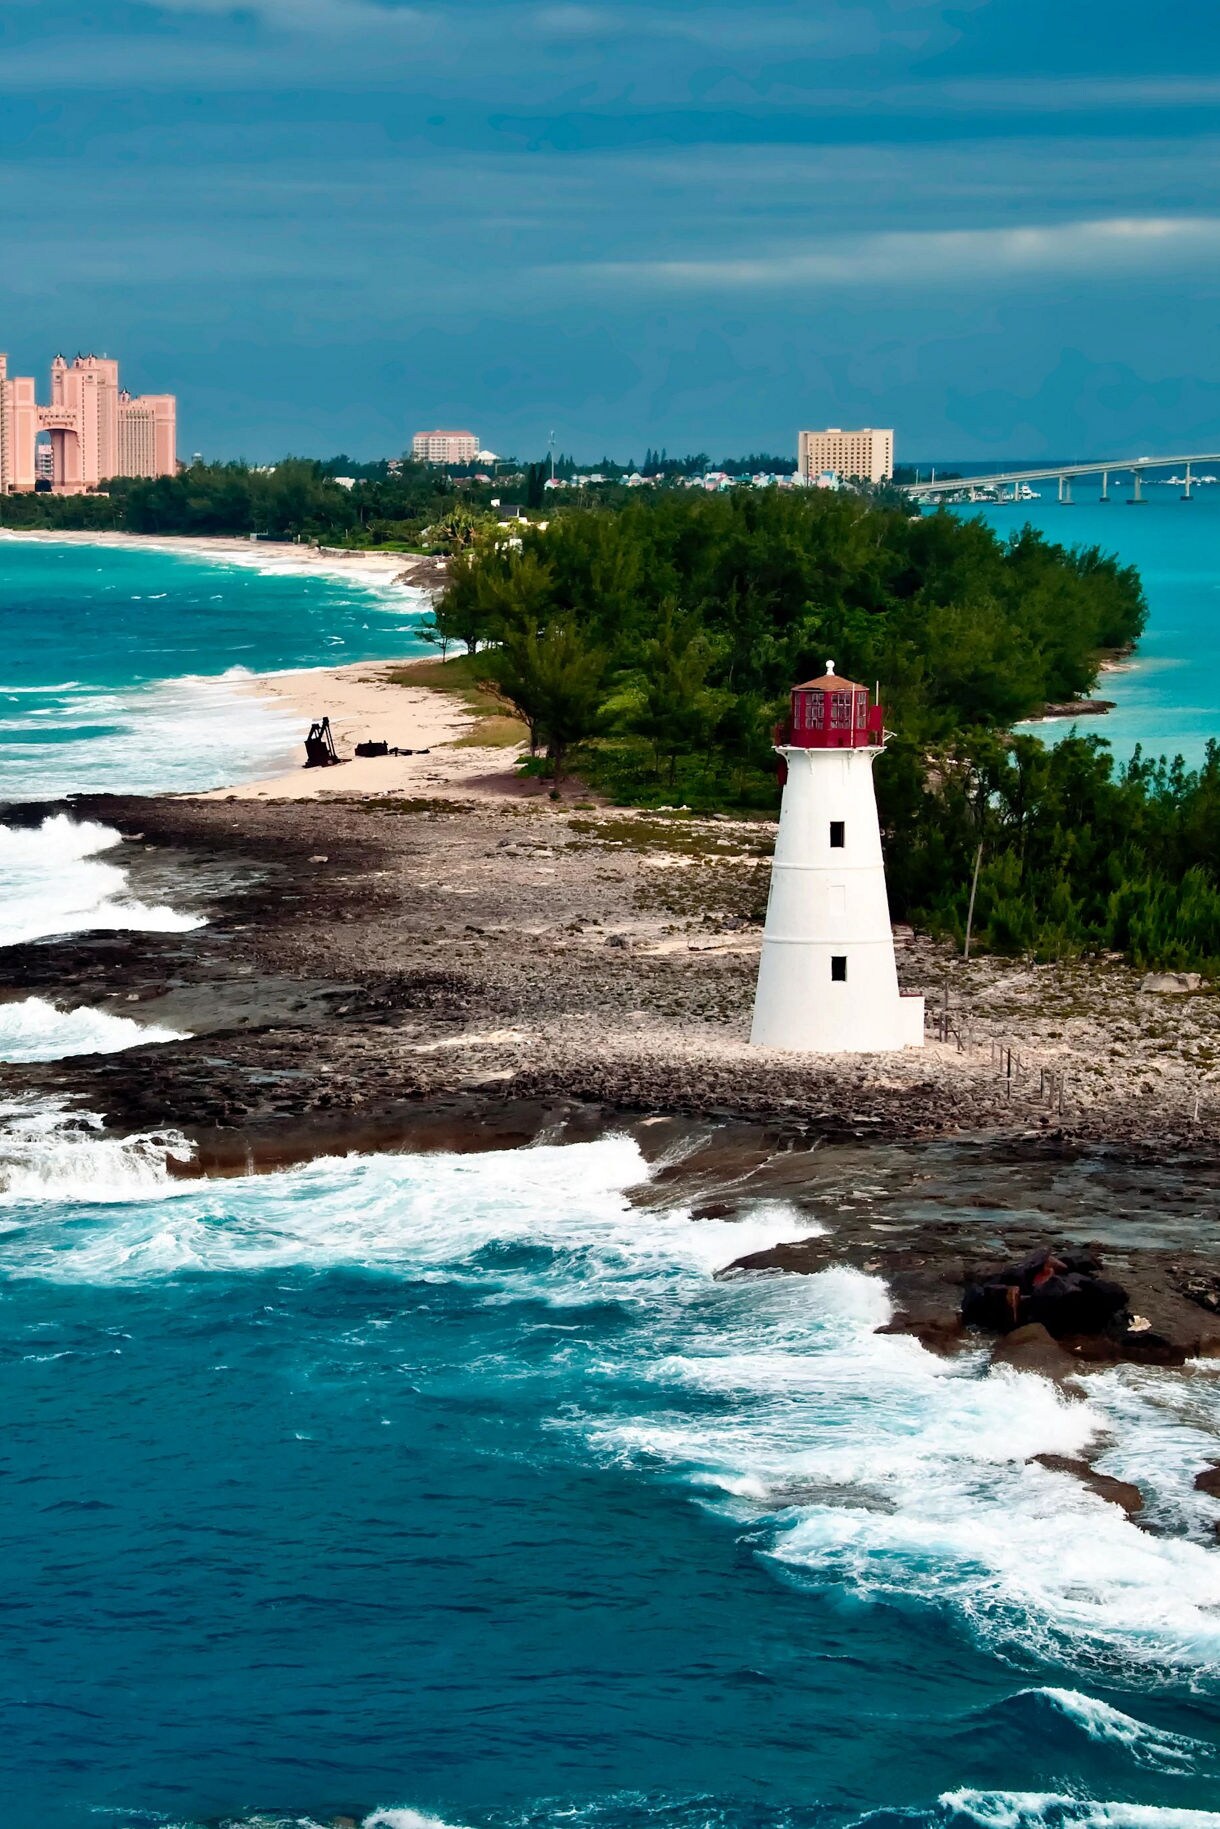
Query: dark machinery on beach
point(320, 745)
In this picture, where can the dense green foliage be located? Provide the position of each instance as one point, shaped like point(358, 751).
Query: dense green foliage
point(411, 505)
point(1077, 856)
point(298, 499)
point(684, 620)
point(657, 634)
point(734, 597)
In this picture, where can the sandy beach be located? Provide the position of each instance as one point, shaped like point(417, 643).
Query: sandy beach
point(372, 568)
point(365, 703)
point(359, 698)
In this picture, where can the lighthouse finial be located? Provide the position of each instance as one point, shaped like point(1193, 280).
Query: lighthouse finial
point(830, 666)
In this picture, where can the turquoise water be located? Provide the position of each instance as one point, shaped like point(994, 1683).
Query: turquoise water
point(121, 670)
point(459, 1485)
point(459, 1491)
point(1168, 697)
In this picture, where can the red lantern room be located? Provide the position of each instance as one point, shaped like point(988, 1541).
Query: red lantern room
point(833, 713)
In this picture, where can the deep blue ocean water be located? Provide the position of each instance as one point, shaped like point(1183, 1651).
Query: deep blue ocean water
point(459, 1485)
point(458, 1489)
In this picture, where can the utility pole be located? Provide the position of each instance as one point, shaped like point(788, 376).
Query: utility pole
point(974, 889)
point(551, 447)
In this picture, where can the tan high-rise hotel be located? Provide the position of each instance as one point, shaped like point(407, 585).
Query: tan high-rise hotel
point(866, 456)
point(96, 430)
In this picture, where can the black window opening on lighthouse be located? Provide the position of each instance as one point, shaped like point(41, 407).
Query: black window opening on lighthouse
point(838, 834)
point(838, 968)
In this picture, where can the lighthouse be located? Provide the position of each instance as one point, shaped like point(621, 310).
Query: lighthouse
point(827, 981)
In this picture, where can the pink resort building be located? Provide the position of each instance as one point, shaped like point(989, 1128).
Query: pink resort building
point(92, 429)
point(444, 447)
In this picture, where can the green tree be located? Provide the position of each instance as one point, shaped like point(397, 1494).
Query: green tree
point(675, 708)
point(556, 680)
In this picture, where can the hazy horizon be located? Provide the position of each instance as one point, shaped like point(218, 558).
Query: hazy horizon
point(325, 224)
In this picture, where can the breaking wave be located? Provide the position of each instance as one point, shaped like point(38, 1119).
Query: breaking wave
point(52, 882)
point(171, 736)
point(1108, 1726)
point(1033, 1724)
point(882, 1471)
point(50, 1155)
point(404, 1819)
point(859, 1463)
point(964, 1809)
point(34, 1030)
point(1039, 1810)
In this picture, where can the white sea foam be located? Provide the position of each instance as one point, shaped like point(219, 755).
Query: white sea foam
point(1162, 1432)
point(404, 1819)
point(173, 736)
point(1047, 1810)
point(50, 1154)
point(470, 1216)
point(860, 1461)
point(35, 1030)
point(53, 882)
point(901, 1477)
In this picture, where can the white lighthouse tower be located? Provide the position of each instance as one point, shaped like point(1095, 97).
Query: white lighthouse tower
point(827, 982)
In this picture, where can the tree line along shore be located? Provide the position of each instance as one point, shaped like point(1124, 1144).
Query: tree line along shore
point(652, 649)
point(648, 643)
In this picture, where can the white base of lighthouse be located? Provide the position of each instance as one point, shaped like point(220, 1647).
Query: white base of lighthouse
point(827, 981)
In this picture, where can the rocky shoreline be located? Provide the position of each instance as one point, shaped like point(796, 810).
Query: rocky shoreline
point(471, 973)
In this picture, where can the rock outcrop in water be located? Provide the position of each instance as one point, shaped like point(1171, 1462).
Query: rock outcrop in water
point(1115, 1492)
point(931, 1283)
point(1066, 1294)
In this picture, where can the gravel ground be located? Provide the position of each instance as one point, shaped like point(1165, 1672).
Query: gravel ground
point(364, 953)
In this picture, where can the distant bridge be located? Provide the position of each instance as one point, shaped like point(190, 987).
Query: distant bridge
point(937, 487)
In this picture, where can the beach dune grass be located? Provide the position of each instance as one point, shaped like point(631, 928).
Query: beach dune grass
point(496, 725)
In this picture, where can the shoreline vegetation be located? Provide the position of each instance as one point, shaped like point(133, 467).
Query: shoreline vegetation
point(652, 650)
point(647, 645)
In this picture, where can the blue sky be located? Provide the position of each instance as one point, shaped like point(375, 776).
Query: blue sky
point(325, 223)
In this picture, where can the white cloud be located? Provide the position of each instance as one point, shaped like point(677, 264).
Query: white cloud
point(1041, 95)
point(938, 257)
point(740, 29)
point(301, 17)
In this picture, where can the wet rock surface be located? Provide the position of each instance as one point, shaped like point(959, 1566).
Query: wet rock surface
point(435, 973)
point(1115, 1492)
point(928, 1273)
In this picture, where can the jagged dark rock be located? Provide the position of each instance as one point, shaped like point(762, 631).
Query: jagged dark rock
point(936, 1333)
point(1032, 1349)
point(1064, 1291)
point(1115, 1492)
